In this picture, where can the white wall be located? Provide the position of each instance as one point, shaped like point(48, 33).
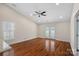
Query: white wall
point(62, 30)
point(24, 28)
point(73, 28)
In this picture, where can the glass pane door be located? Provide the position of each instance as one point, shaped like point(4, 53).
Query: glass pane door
point(50, 32)
point(47, 32)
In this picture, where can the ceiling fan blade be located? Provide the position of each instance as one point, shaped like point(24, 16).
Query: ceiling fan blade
point(43, 12)
point(36, 12)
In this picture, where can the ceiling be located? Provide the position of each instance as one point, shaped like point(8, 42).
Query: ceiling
point(54, 13)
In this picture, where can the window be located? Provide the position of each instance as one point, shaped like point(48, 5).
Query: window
point(8, 30)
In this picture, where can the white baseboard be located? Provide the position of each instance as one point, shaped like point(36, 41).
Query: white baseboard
point(14, 42)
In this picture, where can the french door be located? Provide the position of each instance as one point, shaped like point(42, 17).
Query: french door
point(50, 32)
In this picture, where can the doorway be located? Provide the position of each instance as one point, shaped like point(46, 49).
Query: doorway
point(77, 33)
point(50, 32)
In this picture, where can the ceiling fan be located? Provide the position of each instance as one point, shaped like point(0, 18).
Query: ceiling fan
point(39, 13)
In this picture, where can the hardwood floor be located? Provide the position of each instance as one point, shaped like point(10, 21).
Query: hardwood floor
point(42, 47)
